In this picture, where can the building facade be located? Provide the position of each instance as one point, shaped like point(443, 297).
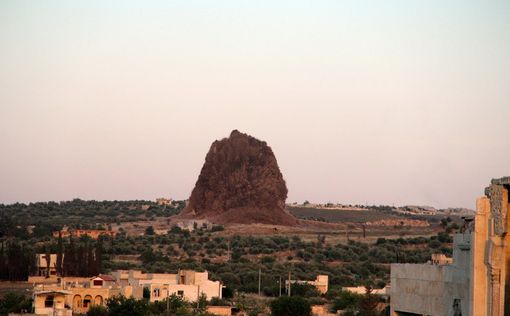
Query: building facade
point(477, 281)
point(187, 284)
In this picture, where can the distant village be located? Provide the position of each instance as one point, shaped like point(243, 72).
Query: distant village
point(468, 283)
point(56, 295)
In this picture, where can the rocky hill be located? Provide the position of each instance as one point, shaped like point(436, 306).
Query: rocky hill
point(240, 182)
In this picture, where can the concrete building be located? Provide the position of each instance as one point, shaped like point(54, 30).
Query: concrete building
point(187, 284)
point(476, 281)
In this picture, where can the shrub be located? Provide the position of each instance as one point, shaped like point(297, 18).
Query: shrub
point(304, 290)
point(267, 260)
point(345, 300)
point(121, 306)
point(217, 228)
point(14, 303)
point(97, 310)
point(149, 231)
point(290, 306)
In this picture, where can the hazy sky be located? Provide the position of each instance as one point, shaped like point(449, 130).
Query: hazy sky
point(384, 102)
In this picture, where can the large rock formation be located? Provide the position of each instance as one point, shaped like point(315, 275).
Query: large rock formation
point(240, 182)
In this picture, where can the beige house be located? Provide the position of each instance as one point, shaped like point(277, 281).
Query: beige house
point(67, 295)
point(321, 283)
point(187, 284)
point(476, 281)
point(52, 303)
point(76, 294)
point(41, 264)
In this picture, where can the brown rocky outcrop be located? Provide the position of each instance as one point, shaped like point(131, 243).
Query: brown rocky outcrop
point(240, 182)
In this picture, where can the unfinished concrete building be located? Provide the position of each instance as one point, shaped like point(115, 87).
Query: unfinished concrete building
point(477, 281)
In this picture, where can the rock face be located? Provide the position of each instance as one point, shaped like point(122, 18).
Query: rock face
point(240, 182)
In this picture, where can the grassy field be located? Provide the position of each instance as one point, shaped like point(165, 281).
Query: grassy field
point(336, 216)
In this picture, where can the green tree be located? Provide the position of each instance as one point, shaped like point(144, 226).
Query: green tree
point(202, 304)
point(176, 306)
point(346, 300)
point(122, 306)
point(98, 261)
point(60, 253)
point(15, 303)
point(290, 306)
point(368, 303)
point(149, 231)
point(97, 310)
point(304, 290)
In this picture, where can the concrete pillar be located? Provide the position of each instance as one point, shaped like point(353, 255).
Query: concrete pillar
point(479, 273)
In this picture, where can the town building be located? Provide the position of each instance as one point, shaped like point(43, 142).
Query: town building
point(476, 281)
point(52, 302)
point(164, 201)
point(75, 294)
point(187, 284)
point(41, 264)
point(321, 282)
point(92, 233)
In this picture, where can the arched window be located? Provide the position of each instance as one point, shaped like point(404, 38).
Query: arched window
point(87, 300)
point(77, 301)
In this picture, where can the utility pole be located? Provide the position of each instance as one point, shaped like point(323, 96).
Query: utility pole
point(289, 284)
point(198, 297)
point(259, 280)
point(229, 257)
point(168, 300)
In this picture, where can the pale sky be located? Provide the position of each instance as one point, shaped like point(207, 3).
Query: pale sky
point(379, 102)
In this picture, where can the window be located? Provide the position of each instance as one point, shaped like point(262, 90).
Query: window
point(156, 292)
point(180, 293)
point(48, 302)
point(98, 282)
